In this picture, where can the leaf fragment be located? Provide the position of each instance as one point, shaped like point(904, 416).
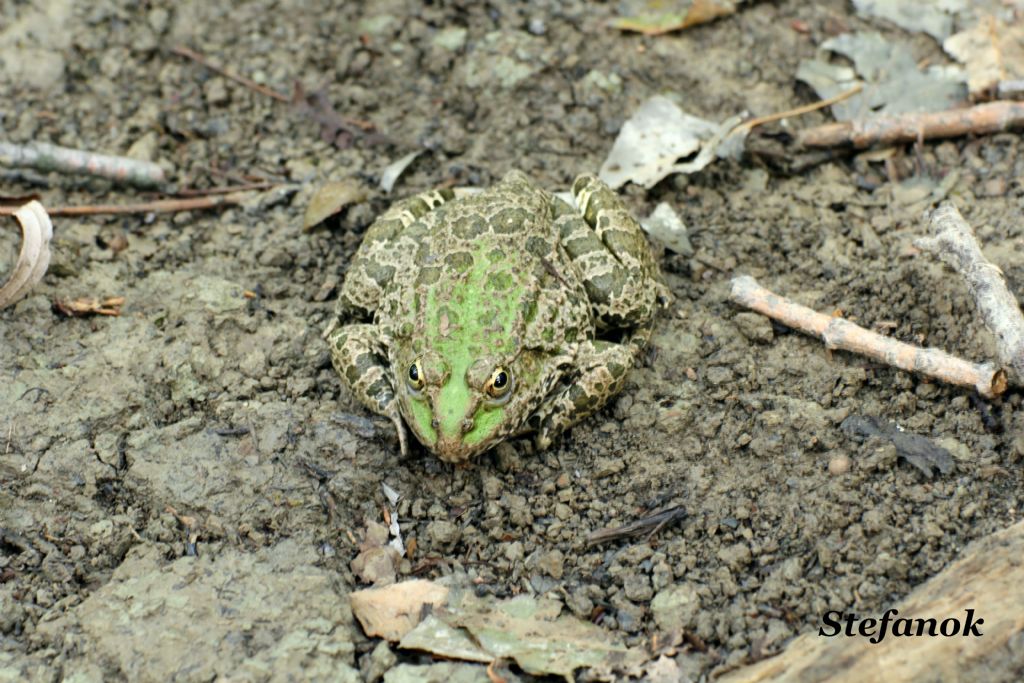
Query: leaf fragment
point(34, 257)
point(331, 198)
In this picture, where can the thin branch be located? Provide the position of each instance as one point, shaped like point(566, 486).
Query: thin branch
point(992, 117)
point(183, 51)
point(649, 525)
point(47, 158)
point(800, 111)
point(156, 206)
point(954, 242)
point(841, 334)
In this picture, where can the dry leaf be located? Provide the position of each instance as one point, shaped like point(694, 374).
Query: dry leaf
point(991, 51)
point(392, 611)
point(331, 198)
point(524, 629)
point(925, 16)
point(34, 258)
point(653, 140)
point(653, 19)
point(390, 174)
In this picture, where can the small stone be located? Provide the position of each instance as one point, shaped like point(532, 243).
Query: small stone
point(514, 552)
point(158, 18)
point(253, 364)
point(994, 187)
point(839, 464)
point(452, 38)
point(144, 149)
point(718, 374)
point(637, 587)
point(755, 327)
point(102, 529)
point(215, 91)
point(676, 607)
point(376, 565)
point(552, 563)
point(735, 556)
point(443, 533)
point(379, 661)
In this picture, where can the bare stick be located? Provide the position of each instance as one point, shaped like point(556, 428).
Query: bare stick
point(841, 334)
point(800, 111)
point(46, 158)
point(992, 117)
point(954, 242)
point(651, 524)
point(156, 206)
point(248, 83)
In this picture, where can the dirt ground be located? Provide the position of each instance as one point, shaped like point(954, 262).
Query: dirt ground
point(165, 475)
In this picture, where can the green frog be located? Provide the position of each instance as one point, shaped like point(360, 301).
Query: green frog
point(494, 315)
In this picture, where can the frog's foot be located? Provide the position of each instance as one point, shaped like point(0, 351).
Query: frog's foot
point(613, 255)
point(603, 367)
point(359, 356)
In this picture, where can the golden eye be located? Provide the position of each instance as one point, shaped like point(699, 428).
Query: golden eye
point(415, 376)
point(499, 383)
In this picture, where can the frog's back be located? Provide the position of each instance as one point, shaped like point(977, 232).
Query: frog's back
point(490, 272)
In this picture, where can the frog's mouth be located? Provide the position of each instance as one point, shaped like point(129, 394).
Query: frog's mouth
point(453, 422)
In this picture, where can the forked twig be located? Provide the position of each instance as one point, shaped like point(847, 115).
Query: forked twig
point(954, 242)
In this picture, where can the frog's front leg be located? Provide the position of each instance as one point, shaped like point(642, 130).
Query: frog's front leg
point(602, 367)
point(359, 356)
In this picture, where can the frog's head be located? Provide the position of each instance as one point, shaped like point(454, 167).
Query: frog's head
point(465, 372)
point(459, 406)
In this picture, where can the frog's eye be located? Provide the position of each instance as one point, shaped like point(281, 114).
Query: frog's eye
point(415, 377)
point(499, 383)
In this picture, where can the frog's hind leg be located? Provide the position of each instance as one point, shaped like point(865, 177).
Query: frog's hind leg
point(603, 367)
point(614, 259)
point(386, 248)
point(359, 356)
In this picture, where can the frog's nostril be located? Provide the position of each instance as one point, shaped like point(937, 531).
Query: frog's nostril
point(435, 423)
point(467, 426)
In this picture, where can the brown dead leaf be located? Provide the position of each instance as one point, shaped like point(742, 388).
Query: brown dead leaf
point(331, 198)
point(392, 611)
point(991, 51)
point(656, 20)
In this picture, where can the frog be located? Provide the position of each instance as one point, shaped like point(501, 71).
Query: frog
point(505, 313)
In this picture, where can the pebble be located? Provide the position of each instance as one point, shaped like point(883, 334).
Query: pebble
point(443, 533)
point(839, 464)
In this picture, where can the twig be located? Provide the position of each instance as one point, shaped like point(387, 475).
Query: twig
point(841, 334)
point(46, 158)
point(800, 111)
point(183, 51)
point(156, 206)
point(651, 524)
point(954, 242)
point(230, 189)
point(991, 117)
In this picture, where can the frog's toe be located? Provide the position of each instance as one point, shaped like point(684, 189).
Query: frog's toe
point(403, 439)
